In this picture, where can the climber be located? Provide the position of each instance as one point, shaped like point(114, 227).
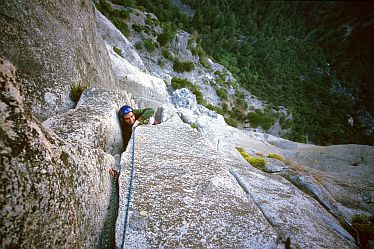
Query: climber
point(131, 118)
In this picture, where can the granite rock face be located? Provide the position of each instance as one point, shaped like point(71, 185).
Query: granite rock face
point(129, 69)
point(183, 98)
point(94, 121)
point(293, 213)
point(184, 197)
point(187, 194)
point(274, 166)
point(54, 194)
point(352, 160)
point(54, 45)
point(114, 38)
point(192, 189)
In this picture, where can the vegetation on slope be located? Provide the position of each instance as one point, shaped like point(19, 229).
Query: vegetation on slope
point(273, 52)
point(295, 54)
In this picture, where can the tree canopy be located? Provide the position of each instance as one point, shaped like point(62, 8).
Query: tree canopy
point(315, 58)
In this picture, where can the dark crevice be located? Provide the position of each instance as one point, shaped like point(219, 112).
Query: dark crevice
point(107, 236)
point(342, 221)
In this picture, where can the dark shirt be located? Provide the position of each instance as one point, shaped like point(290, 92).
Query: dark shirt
point(142, 115)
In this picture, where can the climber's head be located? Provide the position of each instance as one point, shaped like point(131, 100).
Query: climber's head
point(126, 115)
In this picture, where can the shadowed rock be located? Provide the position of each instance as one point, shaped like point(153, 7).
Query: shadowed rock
point(94, 121)
point(54, 194)
point(54, 45)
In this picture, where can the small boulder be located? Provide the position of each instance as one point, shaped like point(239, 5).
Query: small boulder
point(184, 98)
point(274, 166)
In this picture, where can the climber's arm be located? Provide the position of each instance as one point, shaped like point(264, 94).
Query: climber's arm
point(144, 116)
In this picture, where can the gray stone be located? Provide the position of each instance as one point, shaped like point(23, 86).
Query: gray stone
point(225, 138)
point(352, 161)
point(55, 194)
point(192, 187)
point(98, 111)
point(114, 38)
point(292, 213)
point(175, 186)
point(165, 113)
point(184, 98)
point(310, 185)
point(187, 115)
point(54, 45)
point(143, 87)
point(274, 165)
point(189, 197)
point(202, 110)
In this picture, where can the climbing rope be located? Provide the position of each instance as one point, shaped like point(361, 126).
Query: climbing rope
point(130, 189)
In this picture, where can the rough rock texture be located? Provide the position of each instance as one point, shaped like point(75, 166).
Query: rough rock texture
point(311, 186)
point(94, 121)
point(274, 166)
point(355, 161)
point(226, 138)
point(352, 194)
point(54, 45)
point(292, 213)
point(340, 177)
point(54, 194)
point(147, 90)
point(341, 196)
point(348, 160)
point(185, 198)
point(192, 189)
point(188, 198)
point(183, 98)
point(214, 127)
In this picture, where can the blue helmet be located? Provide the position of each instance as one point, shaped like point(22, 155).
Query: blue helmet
point(124, 110)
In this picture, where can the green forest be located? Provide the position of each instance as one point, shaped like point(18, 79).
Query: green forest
point(314, 58)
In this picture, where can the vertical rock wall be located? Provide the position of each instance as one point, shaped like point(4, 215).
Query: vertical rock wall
point(53, 194)
point(54, 45)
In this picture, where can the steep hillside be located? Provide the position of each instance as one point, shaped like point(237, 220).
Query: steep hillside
point(315, 58)
point(324, 186)
point(175, 56)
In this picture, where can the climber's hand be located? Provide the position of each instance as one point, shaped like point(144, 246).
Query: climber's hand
point(151, 120)
point(135, 124)
point(113, 172)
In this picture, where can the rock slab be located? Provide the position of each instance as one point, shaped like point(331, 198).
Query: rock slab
point(184, 197)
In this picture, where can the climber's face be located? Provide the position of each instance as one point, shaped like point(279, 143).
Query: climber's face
point(129, 118)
